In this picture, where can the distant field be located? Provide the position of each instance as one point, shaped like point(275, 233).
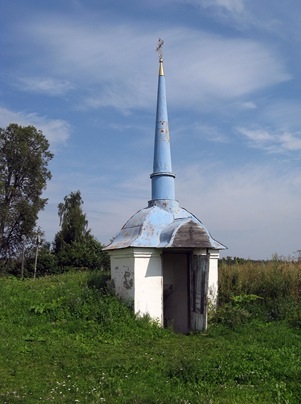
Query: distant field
point(64, 339)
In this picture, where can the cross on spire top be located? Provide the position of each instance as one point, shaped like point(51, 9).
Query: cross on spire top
point(159, 48)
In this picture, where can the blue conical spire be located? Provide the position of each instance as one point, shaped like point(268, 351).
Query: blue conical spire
point(163, 186)
point(163, 224)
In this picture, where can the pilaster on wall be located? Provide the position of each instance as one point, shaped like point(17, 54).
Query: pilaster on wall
point(213, 276)
point(138, 277)
point(149, 283)
point(122, 273)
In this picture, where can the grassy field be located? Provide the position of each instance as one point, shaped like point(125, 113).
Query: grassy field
point(64, 339)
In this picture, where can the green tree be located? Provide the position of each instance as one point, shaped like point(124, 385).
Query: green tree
point(86, 254)
point(74, 246)
point(46, 263)
point(24, 158)
point(73, 222)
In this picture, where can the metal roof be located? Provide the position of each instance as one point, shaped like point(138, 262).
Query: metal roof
point(164, 224)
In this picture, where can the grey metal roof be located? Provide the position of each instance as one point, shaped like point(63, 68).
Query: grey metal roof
point(164, 224)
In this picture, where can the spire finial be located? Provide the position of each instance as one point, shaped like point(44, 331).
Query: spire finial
point(159, 48)
point(160, 54)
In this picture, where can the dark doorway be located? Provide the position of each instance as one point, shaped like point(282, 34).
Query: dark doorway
point(176, 291)
point(185, 290)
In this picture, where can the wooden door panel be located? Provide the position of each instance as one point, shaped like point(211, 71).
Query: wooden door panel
point(198, 292)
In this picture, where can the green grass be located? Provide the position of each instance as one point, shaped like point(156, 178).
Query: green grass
point(64, 339)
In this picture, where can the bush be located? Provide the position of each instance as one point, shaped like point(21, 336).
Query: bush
point(239, 310)
point(87, 253)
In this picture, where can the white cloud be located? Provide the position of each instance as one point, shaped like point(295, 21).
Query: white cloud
point(257, 136)
point(57, 131)
point(209, 132)
point(273, 142)
point(274, 17)
point(229, 12)
point(248, 105)
point(108, 203)
point(112, 64)
point(233, 6)
point(282, 112)
point(44, 85)
point(290, 141)
point(253, 209)
point(241, 208)
point(222, 69)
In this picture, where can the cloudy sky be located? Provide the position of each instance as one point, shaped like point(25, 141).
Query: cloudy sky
point(85, 73)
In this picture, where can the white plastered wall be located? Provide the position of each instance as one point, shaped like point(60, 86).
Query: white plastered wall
point(213, 276)
point(137, 276)
point(149, 283)
point(122, 273)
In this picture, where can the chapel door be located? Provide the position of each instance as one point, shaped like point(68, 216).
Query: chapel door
point(199, 271)
point(176, 291)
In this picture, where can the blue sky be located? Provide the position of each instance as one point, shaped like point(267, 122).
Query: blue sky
point(85, 73)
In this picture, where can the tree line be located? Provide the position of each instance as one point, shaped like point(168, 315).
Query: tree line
point(24, 173)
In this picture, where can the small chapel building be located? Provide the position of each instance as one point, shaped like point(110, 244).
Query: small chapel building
point(164, 259)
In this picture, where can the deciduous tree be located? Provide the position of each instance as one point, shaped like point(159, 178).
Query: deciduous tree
point(74, 246)
point(24, 158)
point(73, 222)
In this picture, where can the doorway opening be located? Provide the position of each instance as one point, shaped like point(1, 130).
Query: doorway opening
point(176, 291)
point(185, 290)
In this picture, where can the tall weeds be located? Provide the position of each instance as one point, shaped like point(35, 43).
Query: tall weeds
point(267, 289)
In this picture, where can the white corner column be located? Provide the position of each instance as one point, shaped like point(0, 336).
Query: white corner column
point(138, 277)
point(149, 283)
point(213, 277)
